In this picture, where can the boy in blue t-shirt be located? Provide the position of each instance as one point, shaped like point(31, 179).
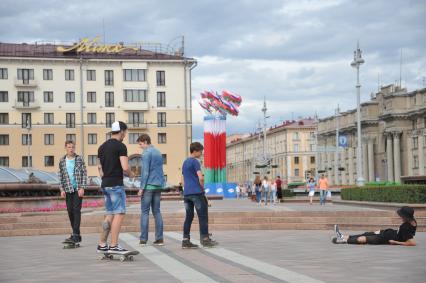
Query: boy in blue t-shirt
point(193, 184)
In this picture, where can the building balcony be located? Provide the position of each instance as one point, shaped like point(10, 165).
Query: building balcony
point(27, 104)
point(136, 126)
point(134, 106)
point(26, 83)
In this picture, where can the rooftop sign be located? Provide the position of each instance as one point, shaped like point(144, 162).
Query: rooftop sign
point(91, 46)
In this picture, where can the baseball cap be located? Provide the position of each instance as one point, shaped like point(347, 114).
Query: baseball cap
point(115, 127)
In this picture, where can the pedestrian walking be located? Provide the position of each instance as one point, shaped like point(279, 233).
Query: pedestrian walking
point(323, 187)
point(152, 183)
point(194, 196)
point(311, 188)
point(73, 182)
point(273, 194)
point(257, 185)
point(279, 183)
point(113, 163)
point(266, 187)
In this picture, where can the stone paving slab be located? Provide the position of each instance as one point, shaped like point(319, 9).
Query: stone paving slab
point(308, 253)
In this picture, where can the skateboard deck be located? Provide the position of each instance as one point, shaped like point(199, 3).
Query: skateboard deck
point(122, 257)
point(70, 245)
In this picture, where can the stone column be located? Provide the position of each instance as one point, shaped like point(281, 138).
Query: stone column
point(344, 165)
point(365, 160)
point(330, 175)
point(421, 154)
point(371, 174)
point(410, 155)
point(389, 157)
point(351, 166)
point(397, 156)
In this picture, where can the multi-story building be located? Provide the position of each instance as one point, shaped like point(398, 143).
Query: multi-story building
point(393, 133)
point(290, 145)
point(51, 93)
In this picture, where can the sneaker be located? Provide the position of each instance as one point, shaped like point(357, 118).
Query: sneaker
point(336, 240)
point(79, 238)
point(75, 239)
point(102, 249)
point(209, 243)
point(69, 239)
point(186, 244)
point(142, 243)
point(117, 249)
point(159, 242)
point(337, 231)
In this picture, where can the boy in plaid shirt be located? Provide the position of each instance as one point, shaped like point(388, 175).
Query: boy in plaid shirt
point(73, 176)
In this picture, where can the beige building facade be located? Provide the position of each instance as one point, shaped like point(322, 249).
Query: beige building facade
point(47, 97)
point(393, 132)
point(291, 146)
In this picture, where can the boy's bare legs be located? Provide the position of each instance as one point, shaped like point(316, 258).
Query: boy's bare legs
point(115, 228)
point(106, 228)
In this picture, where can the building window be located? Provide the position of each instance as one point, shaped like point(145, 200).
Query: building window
point(4, 161)
point(69, 75)
point(312, 159)
point(296, 160)
point(27, 139)
point(135, 95)
point(25, 75)
point(49, 161)
point(133, 138)
point(162, 138)
point(91, 96)
point(161, 78)
point(48, 96)
point(136, 118)
point(26, 97)
point(70, 97)
point(92, 138)
point(26, 120)
point(47, 74)
point(296, 148)
point(415, 142)
point(70, 120)
point(296, 172)
point(4, 96)
point(25, 162)
point(91, 118)
point(136, 75)
point(110, 118)
point(4, 139)
point(48, 119)
point(49, 139)
point(164, 158)
point(312, 147)
point(109, 77)
point(161, 119)
point(161, 99)
point(108, 136)
point(3, 74)
point(109, 99)
point(312, 135)
point(91, 75)
point(71, 137)
point(416, 162)
point(296, 136)
point(93, 160)
point(4, 118)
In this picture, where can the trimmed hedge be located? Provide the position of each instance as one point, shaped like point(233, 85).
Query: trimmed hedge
point(288, 193)
point(401, 194)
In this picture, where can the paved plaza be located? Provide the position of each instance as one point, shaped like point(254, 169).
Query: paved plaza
point(243, 256)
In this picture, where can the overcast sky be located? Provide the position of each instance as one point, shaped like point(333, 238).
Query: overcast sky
point(296, 53)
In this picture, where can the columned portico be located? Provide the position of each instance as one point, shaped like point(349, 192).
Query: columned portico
point(371, 172)
point(389, 156)
point(397, 156)
point(421, 154)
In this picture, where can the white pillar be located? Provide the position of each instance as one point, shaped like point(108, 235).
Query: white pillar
point(351, 166)
point(397, 156)
point(421, 154)
point(365, 160)
point(389, 157)
point(410, 155)
point(371, 175)
point(344, 165)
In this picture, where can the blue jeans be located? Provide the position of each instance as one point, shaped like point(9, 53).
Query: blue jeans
point(266, 195)
point(258, 196)
point(151, 199)
point(323, 196)
point(115, 200)
point(200, 204)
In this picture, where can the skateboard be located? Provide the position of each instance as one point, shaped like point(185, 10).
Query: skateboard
point(70, 245)
point(122, 257)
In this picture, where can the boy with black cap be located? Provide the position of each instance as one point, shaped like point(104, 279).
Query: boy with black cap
point(404, 236)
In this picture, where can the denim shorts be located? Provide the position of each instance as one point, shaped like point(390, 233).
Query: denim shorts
point(115, 200)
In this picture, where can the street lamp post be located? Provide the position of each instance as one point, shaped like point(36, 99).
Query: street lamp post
point(356, 63)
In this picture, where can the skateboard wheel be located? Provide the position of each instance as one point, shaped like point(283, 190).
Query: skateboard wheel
point(111, 257)
point(131, 258)
point(122, 258)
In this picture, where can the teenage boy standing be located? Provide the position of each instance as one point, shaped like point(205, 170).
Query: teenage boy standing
point(152, 183)
point(73, 176)
point(113, 162)
point(193, 191)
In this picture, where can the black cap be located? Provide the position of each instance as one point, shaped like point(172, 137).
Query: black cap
point(406, 212)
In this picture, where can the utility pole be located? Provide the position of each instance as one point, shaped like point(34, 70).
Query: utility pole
point(336, 152)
